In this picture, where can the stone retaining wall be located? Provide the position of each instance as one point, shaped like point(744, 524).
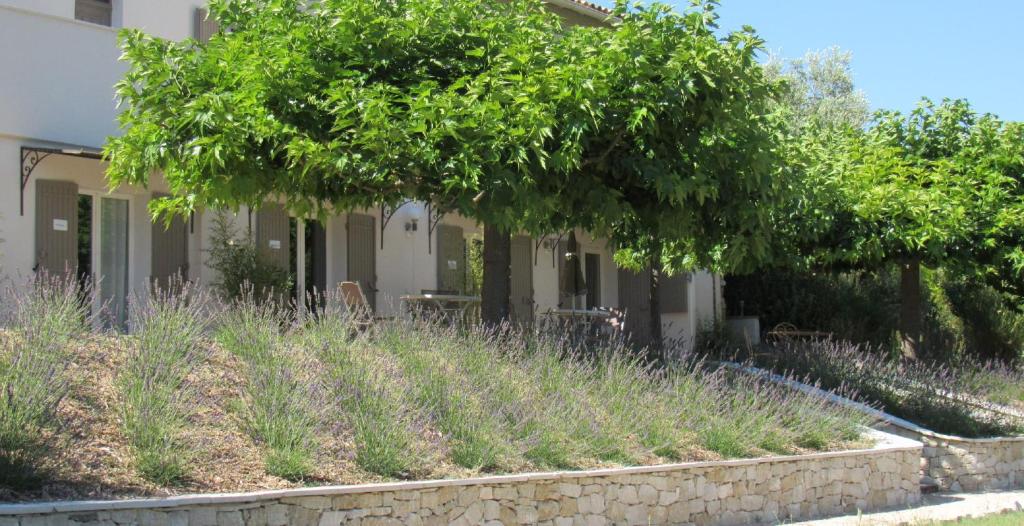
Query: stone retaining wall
point(963, 464)
point(703, 493)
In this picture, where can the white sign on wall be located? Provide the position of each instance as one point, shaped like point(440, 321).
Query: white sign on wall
point(60, 225)
point(275, 244)
point(453, 264)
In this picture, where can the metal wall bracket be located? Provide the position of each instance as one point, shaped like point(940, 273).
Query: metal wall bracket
point(536, 248)
point(554, 247)
point(433, 219)
point(554, 250)
point(386, 213)
point(31, 156)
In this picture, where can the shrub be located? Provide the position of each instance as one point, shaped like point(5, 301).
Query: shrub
point(964, 319)
point(44, 318)
point(281, 398)
point(241, 270)
point(168, 325)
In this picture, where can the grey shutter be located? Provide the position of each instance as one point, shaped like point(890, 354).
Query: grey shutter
point(451, 259)
point(673, 293)
point(273, 239)
point(592, 275)
point(169, 249)
point(205, 27)
point(564, 298)
point(362, 254)
point(56, 226)
point(522, 280)
point(94, 11)
point(634, 298)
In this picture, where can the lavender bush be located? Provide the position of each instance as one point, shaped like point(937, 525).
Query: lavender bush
point(167, 328)
point(504, 399)
point(281, 396)
point(942, 398)
point(43, 318)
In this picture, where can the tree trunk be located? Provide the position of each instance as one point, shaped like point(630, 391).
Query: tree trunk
point(910, 308)
point(656, 343)
point(497, 286)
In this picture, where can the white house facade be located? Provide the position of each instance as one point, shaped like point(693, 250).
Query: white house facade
point(59, 60)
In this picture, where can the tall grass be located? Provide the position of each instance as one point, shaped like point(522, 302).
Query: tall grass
point(167, 326)
point(44, 317)
point(281, 396)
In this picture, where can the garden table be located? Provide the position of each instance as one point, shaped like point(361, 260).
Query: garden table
point(453, 307)
point(588, 325)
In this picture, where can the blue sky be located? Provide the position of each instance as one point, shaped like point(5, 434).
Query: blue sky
point(904, 49)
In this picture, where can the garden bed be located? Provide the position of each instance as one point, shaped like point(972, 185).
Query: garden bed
point(207, 399)
point(959, 401)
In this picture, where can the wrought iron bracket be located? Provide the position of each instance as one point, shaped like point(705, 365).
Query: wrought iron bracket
point(386, 213)
point(536, 248)
point(554, 248)
point(31, 156)
point(433, 219)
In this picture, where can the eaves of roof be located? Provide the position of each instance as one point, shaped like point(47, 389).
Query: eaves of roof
point(584, 8)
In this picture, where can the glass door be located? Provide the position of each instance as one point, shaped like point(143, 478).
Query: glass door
point(113, 258)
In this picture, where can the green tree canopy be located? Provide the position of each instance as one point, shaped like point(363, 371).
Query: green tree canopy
point(938, 187)
point(652, 128)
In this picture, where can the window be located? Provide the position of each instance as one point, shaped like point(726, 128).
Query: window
point(94, 11)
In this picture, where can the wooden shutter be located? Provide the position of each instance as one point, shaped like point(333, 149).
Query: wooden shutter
point(94, 11)
point(451, 259)
point(634, 298)
point(673, 293)
point(169, 249)
point(273, 239)
point(522, 280)
point(56, 226)
point(362, 254)
point(592, 274)
point(205, 27)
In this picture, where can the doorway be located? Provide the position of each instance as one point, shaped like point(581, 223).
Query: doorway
point(308, 261)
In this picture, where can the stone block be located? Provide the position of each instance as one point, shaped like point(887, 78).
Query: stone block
point(637, 515)
point(548, 510)
point(648, 494)
point(526, 514)
point(229, 518)
point(570, 490)
point(628, 495)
